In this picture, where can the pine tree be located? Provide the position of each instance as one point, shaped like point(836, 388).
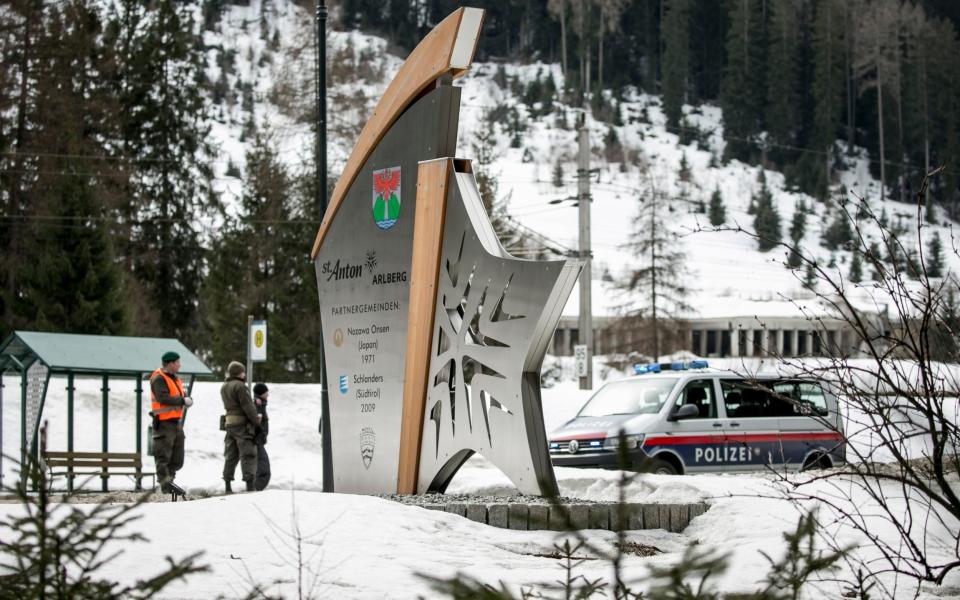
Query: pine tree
point(810, 276)
point(73, 282)
point(782, 113)
point(943, 53)
point(935, 260)
point(839, 233)
point(875, 259)
point(743, 84)
point(684, 174)
point(930, 210)
point(558, 174)
point(878, 65)
point(533, 93)
point(484, 151)
point(660, 278)
point(485, 154)
point(548, 94)
point(160, 79)
point(766, 221)
point(798, 228)
point(23, 47)
point(718, 212)
point(828, 92)
point(856, 268)
point(258, 268)
point(676, 58)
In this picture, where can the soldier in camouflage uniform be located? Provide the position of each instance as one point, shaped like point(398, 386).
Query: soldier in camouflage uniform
point(242, 426)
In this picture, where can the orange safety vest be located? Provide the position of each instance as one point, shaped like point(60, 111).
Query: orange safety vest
point(175, 387)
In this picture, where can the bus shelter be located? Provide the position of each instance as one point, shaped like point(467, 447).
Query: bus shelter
point(37, 356)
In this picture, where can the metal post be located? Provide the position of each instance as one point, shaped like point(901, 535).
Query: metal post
point(24, 466)
point(321, 98)
point(70, 390)
point(139, 412)
point(321, 106)
point(583, 196)
point(249, 352)
point(106, 429)
point(1, 430)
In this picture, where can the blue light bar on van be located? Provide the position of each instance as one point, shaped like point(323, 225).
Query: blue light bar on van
point(679, 365)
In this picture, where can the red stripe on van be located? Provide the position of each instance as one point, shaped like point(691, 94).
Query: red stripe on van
point(677, 440)
point(812, 436)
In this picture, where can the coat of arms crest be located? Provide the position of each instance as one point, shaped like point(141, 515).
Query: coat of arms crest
point(368, 439)
point(386, 197)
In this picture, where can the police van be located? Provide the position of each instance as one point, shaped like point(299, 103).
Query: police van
point(687, 418)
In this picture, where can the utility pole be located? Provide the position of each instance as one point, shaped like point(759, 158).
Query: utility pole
point(249, 351)
point(583, 199)
point(321, 101)
point(322, 106)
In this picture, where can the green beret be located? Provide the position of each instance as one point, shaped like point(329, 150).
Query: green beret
point(170, 357)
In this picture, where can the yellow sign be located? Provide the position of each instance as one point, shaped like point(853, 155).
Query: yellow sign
point(258, 341)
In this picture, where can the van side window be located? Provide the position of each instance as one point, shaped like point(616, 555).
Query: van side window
point(700, 394)
point(749, 400)
point(811, 394)
point(805, 397)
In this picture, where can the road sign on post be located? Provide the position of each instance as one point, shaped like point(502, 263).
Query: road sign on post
point(256, 345)
point(581, 358)
point(258, 341)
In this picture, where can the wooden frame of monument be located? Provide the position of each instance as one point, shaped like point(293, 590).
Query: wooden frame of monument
point(421, 96)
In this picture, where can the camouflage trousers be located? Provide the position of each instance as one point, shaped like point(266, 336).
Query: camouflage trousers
point(239, 447)
point(168, 449)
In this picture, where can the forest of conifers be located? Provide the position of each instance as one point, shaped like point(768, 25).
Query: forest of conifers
point(801, 82)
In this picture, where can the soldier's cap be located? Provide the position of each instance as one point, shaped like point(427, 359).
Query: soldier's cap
point(169, 357)
point(235, 369)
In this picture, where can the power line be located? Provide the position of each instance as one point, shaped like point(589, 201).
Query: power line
point(146, 221)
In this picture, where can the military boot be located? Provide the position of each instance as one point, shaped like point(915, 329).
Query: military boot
point(249, 483)
point(176, 492)
point(226, 483)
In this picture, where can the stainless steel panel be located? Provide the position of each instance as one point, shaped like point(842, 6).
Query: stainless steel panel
point(492, 314)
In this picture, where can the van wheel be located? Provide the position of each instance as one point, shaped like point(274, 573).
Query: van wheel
point(661, 467)
point(816, 462)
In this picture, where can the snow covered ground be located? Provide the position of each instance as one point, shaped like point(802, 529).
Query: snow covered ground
point(366, 547)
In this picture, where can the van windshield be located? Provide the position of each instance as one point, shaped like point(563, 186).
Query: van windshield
point(629, 397)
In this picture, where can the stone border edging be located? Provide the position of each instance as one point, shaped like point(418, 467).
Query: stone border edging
point(527, 517)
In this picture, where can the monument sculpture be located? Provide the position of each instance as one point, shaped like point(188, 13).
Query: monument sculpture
point(434, 335)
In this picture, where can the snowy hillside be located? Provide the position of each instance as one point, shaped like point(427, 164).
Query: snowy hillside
point(270, 46)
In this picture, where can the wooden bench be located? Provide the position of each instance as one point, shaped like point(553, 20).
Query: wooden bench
point(104, 464)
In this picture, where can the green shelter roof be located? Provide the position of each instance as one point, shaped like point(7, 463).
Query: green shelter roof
point(78, 353)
